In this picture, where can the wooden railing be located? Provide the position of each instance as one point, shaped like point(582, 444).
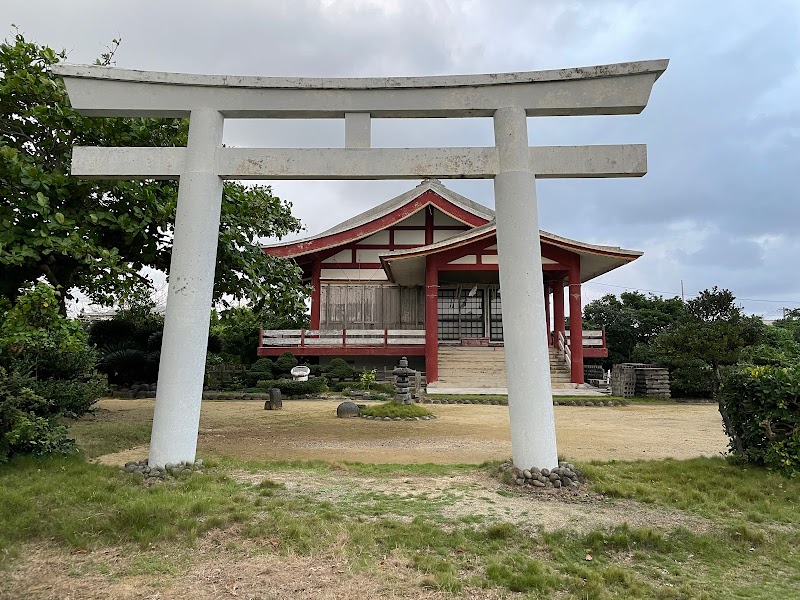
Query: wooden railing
point(563, 348)
point(342, 338)
point(592, 338)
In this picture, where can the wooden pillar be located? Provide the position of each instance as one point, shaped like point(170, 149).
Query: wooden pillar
point(547, 311)
point(316, 293)
point(431, 320)
point(558, 309)
point(576, 324)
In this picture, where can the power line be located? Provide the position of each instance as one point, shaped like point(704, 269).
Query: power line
point(676, 294)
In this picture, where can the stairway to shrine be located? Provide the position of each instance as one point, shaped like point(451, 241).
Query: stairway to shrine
point(483, 369)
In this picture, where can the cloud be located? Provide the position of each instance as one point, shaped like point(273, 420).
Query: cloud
point(721, 127)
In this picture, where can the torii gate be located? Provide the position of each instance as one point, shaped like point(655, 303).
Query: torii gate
point(508, 98)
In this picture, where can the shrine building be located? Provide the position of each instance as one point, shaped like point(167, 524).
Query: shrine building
point(417, 276)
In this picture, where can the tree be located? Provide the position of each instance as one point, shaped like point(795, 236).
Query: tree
point(96, 236)
point(631, 321)
point(714, 333)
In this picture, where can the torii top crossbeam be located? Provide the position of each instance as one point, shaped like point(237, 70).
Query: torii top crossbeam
point(508, 98)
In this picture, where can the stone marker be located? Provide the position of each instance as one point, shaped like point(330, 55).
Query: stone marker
point(275, 401)
point(347, 409)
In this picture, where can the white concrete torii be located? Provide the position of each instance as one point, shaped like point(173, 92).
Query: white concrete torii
point(207, 100)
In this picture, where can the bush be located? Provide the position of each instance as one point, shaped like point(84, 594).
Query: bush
point(315, 385)
point(395, 409)
point(761, 410)
point(28, 422)
point(339, 369)
point(72, 398)
point(285, 363)
point(260, 370)
point(380, 388)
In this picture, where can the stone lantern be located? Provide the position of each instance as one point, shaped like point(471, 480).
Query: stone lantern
point(402, 374)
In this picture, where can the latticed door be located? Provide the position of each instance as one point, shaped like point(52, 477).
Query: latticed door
point(461, 313)
point(495, 315)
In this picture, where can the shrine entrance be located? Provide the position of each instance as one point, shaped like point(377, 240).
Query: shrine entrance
point(507, 98)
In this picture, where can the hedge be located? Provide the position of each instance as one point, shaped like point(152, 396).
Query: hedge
point(315, 385)
point(763, 416)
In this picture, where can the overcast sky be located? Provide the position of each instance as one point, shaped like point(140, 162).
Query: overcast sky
point(719, 206)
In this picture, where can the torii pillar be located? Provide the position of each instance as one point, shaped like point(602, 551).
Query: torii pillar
point(508, 98)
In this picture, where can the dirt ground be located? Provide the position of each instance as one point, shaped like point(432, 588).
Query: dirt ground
point(466, 434)
point(225, 564)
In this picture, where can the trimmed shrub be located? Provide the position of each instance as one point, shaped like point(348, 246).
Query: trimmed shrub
point(261, 370)
point(315, 385)
point(761, 410)
point(339, 369)
point(285, 363)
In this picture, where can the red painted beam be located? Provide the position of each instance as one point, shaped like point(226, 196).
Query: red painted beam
point(595, 352)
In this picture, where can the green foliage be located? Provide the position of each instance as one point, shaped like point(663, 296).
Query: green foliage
point(339, 369)
point(779, 348)
point(367, 378)
point(73, 397)
point(396, 409)
point(260, 370)
point(289, 387)
point(28, 422)
point(97, 235)
point(763, 410)
point(631, 321)
point(35, 338)
point(714, 333)
point(129, 344)
point(285, 363)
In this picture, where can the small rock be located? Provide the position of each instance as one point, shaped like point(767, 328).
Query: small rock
point(538, 483)
point(527, 474)
point(553, 476)
point(519, 481)
point(545, 472)
point(347, 409)
point(387, 418)
point(536, 470)
point(557, 483)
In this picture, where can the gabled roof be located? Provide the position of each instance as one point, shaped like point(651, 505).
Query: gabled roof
point(595, 259)
point(384, 215)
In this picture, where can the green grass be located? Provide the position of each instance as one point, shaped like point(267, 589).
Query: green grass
point(750, 548)
point(711, 487)
point(96, 438)
point(395, 409)
point(75, 504)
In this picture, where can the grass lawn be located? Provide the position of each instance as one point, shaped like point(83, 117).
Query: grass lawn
point(668, 529)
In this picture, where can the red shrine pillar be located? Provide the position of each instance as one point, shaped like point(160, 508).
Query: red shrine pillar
point(576, 323)
point(558, 310)
point(547, 312)
point(316, 293)
point(431, 320)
